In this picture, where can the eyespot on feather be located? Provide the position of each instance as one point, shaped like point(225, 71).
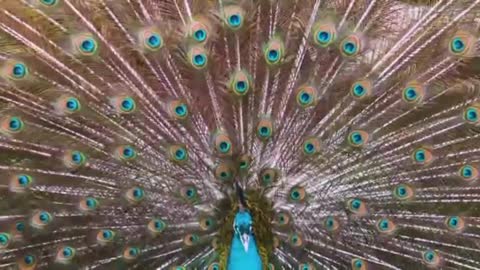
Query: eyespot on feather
point(123, 104)
point(359, 264)
point(156, 226)
point(27, 262)
point(135, 195)
point(5, 240)
point(197, 57)
point(306, 266)
point(41, 219)
point(150, 39)
point(295, 240)
point(20, 183)
point(311, 146)
point(244, 163)
point(361, 89)
point(385, 226)
point(74, 159)
point(126, 153)
point(131, 253)
point(268, 177)
point(12, 125)
point(282, 219)
point(413, 93)
point(67, 105)
point(331, 224)
point(431, 258)
point(297, 194)
point(222, 143)
point(358, 138)
point(274, 51)
point(462, 44)
point(191, 239)
point(178, 153)
point(84, 44)
point(240, 83)
point(324, 34)
point(207, 223)
point(15, 70)
point(455, 224)
point(189, 193)
point(214, 266)
point(178, 109)
point(199, 30)
point(468, 173)
point(422, 156)
point(403, 192)
point(65, 255)
point(265, 128)
point(306, 96)
point(105, 237)
point(233, 17)
point(471, 114)
point(224, 172)
point(357, 207)
point(88, 204)
point(352, 45)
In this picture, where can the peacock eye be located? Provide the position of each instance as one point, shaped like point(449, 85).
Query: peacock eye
point(19, 71)
point(49, 2)
point(153, 41)
point(198, 57)
point(5, 240)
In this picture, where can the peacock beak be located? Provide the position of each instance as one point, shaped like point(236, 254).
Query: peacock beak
point(245, 238)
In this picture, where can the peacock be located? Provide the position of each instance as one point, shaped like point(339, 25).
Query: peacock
point(239, 134)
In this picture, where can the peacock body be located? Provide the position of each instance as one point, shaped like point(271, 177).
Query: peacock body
point(269, 134)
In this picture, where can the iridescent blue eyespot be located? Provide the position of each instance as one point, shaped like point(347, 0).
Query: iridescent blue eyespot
point(20, 226)
point(471, 115)
point(72, 104)
point(41, 219)
point(359, 90)
point(235, 20)
point(15, 124)
point(88, 45)
point(24, 180)
point(200, 35)
point(457, 45)
point(351, 45)
point(311, 146)
point(127, 104)
point(29, 260)
point(154, 41)
point(273, 55)
point(19, 71)
point(224, 147)
point(199, 60)
point(358, 264)
point(181, 110)
point(5, 239)
point(49, 2)
point(324, 37)
point(324, 33)
point(241, 87)
point(431, 257)
point(78, 157)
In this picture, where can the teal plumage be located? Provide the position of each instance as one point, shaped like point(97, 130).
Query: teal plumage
point(239, 134)
point(244, 253)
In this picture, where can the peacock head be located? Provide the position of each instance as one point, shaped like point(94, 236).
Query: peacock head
point(243, 227)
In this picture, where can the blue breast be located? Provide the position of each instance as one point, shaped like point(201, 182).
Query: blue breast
point(241, 260)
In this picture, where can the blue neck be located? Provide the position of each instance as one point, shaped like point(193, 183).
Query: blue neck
point(240, 259)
